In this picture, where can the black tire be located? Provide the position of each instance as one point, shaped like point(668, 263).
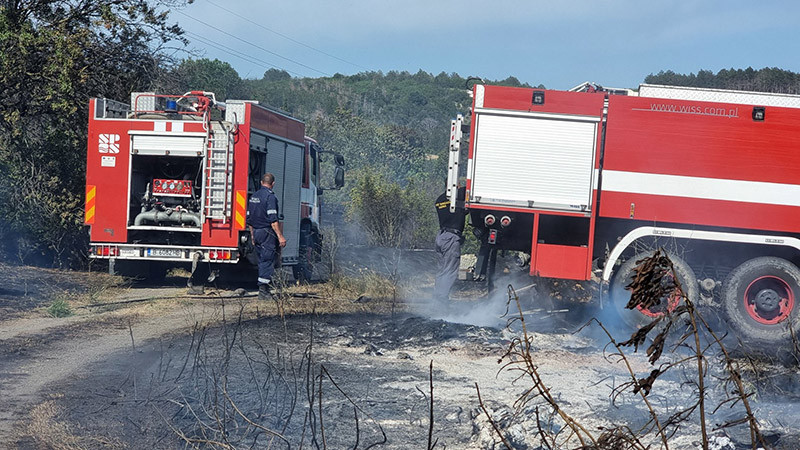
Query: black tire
point(760, 301)
point(619, 296)
point(303, 271)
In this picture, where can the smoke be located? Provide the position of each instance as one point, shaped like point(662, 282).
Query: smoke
point(485, 312)
point(544, 308)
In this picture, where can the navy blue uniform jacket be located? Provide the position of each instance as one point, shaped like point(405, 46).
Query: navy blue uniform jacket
point(262, 209)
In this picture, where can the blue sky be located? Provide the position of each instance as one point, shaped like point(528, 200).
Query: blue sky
point(557, 43)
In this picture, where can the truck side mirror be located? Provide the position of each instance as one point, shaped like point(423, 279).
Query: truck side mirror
point(338, 159)
point(338, 176)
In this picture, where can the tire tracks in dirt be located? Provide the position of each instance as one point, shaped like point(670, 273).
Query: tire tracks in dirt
point(36, 354)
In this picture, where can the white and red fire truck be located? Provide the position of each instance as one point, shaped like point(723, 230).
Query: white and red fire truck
point(168, 179)
point(584, 182)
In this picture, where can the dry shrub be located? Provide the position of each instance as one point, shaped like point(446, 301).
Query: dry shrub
point(361, 284)
point(654, 279)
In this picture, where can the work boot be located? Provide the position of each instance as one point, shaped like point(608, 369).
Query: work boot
point(264, 292)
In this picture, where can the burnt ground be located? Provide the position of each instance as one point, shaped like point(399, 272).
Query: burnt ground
point(162, 373)
point(25, 288)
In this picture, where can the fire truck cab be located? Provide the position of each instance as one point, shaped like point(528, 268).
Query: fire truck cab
point(584, 183)
point(168, 178)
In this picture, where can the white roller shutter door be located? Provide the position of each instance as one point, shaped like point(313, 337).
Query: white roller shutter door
point(285, 161)
point(293, 177)
point(534, 161)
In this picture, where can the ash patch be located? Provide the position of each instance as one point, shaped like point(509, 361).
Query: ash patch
point(375, 381)
point(413, 331)
point(188, 386)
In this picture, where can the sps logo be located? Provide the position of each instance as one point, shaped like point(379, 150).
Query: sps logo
point(108, 143)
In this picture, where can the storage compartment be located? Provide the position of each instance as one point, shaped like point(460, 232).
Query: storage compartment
point(562, 261)
point(562, 249)
point(534, 161)
point(564, 230)
point(165, 193)
point(284, 159)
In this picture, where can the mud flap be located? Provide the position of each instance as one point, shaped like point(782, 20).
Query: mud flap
point(196, 281)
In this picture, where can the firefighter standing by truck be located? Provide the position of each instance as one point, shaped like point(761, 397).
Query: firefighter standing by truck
point(262, 218)
point(448, 243)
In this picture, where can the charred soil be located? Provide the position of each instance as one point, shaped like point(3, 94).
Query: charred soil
point(219, 371)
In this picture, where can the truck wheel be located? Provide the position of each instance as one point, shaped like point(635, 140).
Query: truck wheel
point(304, 269)
point(760, 300)
point(639, 317)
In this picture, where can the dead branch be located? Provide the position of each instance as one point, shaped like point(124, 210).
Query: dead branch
point(324, 370)
point(430, 411)
point(130, 330)
point(321, 424)
point(654, 278)
point(541, 431)
point(250, 422)
point(735, 375)
point(496, 428)
point(635, 382)
point(519, 356)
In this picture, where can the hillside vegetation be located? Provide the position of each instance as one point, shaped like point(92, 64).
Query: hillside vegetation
point(395, 121)
point(768, 79)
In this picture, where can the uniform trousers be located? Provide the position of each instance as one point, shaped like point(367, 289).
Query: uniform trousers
point(448, 248)
point(266, 243)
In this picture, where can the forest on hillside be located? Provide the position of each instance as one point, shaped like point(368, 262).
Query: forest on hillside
point(392, 127)
point(768, 79)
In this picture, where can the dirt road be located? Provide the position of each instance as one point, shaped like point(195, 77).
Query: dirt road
point(177, 371)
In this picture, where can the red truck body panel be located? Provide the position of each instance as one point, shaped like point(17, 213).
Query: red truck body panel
point(277, 124)
point(556, 102)
point(721, 167)
point(111, 181)
point(547, 259)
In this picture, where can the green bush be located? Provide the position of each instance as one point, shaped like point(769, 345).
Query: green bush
point(59, 308)
point(392, 215)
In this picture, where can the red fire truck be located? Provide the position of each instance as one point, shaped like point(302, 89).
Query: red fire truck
point(168, 179)
point(584, 183)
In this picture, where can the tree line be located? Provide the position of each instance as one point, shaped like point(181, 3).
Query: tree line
point(768, 79)
point(392, 127)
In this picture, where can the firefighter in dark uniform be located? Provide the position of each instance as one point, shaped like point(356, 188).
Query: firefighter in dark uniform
point(262, 218)
point(448, 243)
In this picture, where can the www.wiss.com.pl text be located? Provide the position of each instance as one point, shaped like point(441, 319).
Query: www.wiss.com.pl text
point(692, 109)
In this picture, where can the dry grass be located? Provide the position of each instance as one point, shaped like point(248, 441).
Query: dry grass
point(47, 431)
point(95, 287)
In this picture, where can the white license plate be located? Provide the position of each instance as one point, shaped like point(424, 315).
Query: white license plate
point(165, 252)
point(128, 252)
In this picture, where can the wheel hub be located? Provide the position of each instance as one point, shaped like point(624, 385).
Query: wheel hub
point(769, 300)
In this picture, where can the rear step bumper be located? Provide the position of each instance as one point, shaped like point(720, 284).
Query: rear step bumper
point(147, 252)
